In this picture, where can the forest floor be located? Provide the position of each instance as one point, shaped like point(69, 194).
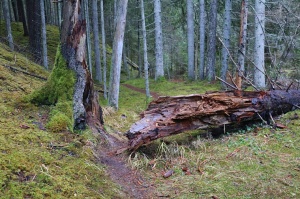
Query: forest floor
point(154, 95)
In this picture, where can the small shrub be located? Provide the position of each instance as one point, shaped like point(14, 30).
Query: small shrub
point(59, 122)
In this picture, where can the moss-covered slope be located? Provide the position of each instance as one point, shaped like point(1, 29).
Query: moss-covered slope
point(37, 163)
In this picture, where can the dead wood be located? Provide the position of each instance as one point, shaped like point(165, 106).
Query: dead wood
point(172, 115)
point(25, 72)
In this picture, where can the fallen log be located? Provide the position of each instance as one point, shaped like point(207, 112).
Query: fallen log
point(172, 115)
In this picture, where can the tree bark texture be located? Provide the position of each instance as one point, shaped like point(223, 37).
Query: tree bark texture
point(44, 34)
point(34, 27)
point(172, 115)
point(201, 39)
point(226, 38)
point(5, 7)
point(259, 52)
point(242, 44)
point(96, 41)
point(211, 49)
point(190, 39)
point(145, 49)
point(159, 57)
point(103, 48)
point(73, 44)
point(22, 18)
point(88, 35)
point(116, 60)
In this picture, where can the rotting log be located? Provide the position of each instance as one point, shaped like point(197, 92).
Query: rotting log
point(172, 115)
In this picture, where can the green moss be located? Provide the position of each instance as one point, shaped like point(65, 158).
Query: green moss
point(58, 91)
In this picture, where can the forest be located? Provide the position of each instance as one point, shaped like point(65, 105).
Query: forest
point(149, 99)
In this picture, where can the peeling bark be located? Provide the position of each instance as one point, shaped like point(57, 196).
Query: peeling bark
point(86, 108)
point(172, 115)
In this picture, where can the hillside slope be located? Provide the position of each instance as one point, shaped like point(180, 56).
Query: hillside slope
point(36, 163)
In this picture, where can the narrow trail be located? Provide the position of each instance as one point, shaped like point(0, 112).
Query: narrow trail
point(153, 94)
point(132, 183)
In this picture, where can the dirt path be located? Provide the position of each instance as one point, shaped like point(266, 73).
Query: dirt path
point(130, 180)
point(153, 94)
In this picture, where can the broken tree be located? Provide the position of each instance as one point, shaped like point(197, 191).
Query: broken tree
point(172, 115)
point(70, 85)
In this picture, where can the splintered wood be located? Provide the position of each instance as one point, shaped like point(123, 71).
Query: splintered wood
point(172, 115)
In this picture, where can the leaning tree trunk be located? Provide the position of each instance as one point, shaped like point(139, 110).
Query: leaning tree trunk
point(172, 115)
point(73, 43)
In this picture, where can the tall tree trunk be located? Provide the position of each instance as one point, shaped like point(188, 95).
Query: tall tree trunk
point(44, 35)
point(159, 57)
point(145, 50)
point(96, 41)
point(139, 45)
point(211, 51)
point(5, 7)
point(242, 44)
point(22, 18)
point(59, 14)
point(190, 39)
point(11, 10)
point(34, 27)
point(259, 54)
point(15, 9)
point(85, 100)
point(88, 35)
point(114, 83)
point(226, 37)
point(201, 39)
point(103, 48)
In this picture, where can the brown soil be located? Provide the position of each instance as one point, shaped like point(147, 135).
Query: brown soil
point(153, 94)
point(133, 184)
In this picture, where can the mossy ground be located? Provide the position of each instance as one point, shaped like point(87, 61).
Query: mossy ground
point(35, 162)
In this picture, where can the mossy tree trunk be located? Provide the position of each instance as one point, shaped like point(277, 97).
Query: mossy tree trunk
point(73, 42)
point(70, 86)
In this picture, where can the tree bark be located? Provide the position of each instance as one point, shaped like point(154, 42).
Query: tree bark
point(96, 41)
point(145, 50)
point(22, 18)
point(259, 54)
point(172, 115)
point(5, 7)
point(159, 59)
point(242, 44)
point(226, 37)
point(34, 27)
point(116, 60)
point(211, 50)
point(201, 39)
point(73, 37)
point(88, 35)
point(190, 39)
point(44, 35)
point(103, 48)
